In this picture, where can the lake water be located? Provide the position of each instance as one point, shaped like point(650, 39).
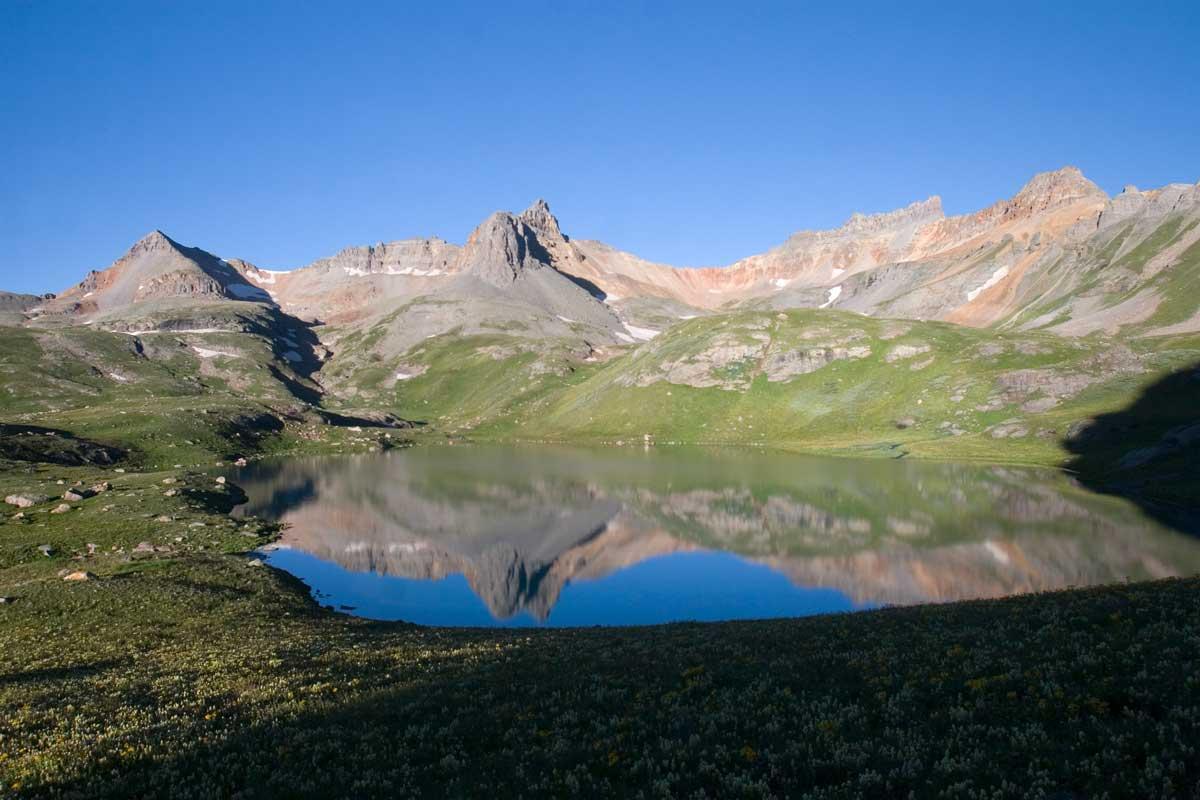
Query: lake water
point(484, 535)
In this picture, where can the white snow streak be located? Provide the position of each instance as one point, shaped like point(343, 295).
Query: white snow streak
point(834, 294)
point(997, 276)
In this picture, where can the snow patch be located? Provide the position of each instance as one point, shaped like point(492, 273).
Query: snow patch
point(688, 316)
point(644, 334)
point(997, 276)
point(997, 552)
point(179, 330)
point(292, 356)
point(564, 319)
point(834, 294)
point(837, 272)
point(780, 283)
point(204, 352)
point(423, 273)
point(611, 298)
point(403, 376)
point(354, 272)
point(244, 291)
point(623, 337)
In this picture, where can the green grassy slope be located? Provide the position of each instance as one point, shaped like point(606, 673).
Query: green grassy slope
point(955, 392)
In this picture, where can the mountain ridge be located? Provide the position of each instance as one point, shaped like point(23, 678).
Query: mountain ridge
point(1059, 207)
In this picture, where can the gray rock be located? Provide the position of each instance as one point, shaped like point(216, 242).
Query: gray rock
point(26, 500)
point(903, 351)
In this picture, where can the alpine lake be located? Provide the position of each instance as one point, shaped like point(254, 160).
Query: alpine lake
point(510, 535)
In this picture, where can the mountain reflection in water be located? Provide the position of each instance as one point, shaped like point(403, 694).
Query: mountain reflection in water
point(522, 525)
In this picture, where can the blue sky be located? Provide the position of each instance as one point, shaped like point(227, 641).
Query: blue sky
point(689, 133)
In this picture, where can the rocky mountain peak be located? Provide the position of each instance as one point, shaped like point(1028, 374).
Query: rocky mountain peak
point(1048, 189)
point(500, 249)
point(155, 241)
point(538, 217)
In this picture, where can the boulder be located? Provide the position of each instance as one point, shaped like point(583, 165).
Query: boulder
point(78, 575)
point(61, 508)
point(26, 500)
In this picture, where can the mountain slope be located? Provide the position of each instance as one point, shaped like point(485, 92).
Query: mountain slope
point(155, 268)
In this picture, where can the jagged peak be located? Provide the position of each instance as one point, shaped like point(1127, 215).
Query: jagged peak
point(502, 247)
point(539, 217)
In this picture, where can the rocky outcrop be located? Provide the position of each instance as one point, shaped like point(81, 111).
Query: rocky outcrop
point(501, 249)
point(411, 257)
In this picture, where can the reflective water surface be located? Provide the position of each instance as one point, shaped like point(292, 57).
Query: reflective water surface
point(527, 535)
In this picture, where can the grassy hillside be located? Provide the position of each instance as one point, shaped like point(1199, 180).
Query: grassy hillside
point(833, 381)
point(814, 380)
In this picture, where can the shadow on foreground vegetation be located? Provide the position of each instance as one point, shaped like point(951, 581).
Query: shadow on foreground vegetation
point(35, 444)
point(1074, 694)
point(1148, 453)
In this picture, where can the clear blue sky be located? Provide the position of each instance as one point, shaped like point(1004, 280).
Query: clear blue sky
point(688, 133)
